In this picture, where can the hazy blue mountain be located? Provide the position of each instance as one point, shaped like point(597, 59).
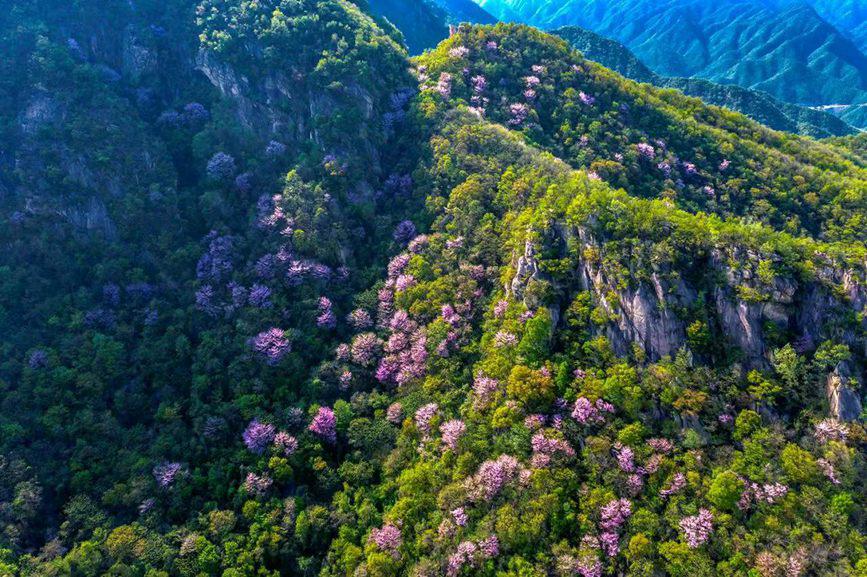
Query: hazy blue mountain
point(848, 16)
point(782, 47)
point(424, 23)
point(465, 11)
point(758, 105)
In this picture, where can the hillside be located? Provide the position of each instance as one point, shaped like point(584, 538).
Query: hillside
point(782, 48)
point(759, 106)
point(278, 299)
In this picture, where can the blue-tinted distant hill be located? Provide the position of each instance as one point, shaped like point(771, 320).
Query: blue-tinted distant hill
point(424, 23)
point(757, 105)
point(782, 47)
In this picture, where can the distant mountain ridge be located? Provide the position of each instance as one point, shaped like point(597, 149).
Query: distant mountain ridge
point(425, 23)
point(784, 48)
point(758, 105)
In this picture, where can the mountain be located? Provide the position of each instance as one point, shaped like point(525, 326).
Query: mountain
point(465, 11)
point(757, 105)
point(424, 23)
point(278, 299)
point(848, 16)
point(783, 49)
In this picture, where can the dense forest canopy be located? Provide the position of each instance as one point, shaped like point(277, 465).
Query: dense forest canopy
point(278, 299)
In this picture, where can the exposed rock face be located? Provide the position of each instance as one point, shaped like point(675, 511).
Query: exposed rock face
point(842, 390)
point(647, 310)
point(279, 105)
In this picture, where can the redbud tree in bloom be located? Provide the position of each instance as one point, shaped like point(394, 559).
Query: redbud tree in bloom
point(697, 529)
point(258, 436)
point(324, 425)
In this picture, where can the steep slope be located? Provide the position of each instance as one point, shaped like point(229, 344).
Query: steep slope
point(848, 16)
point(759, 106)
point(657, 143)
point(423, 23)
point(784, 49)
point(534, 443)
point(190, 198)
point(359, 319)
point(465, 11)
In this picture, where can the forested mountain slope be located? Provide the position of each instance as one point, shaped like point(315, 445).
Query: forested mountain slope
point(780, 47)
point(279, 300)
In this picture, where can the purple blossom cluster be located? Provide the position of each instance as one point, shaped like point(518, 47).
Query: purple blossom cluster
point(484, 389)
point(419, 244)
point(614, 514)
point(345, 379)
point(545, 448)
point(466, 554)
point(257, 484)
point(398, 184)
point(588, 566)
point(828, 470)
point(275, 149)
point(609, 541)
point(387, 539)
point(768, 493)
point(260, 296)
point(285, 443)
point(586, 99)
point(258, 436)
point(504, 339)
point(221, 167)
point(470, 554)
point(518, 114)
point(423, 417)
point(364, 349)
point(324, 425)
point(326, 319)
point(452, 431)
point(216, 262)
point(646, 150)
point(404, 232)
point(612, 517)
point(626, 459)
point(660, 445)
point(444, 85)
point(272, 344)
point(166, 473)
point(591, 413)
point(360, 319)
point(406, 351)
point(492, 476)
point(394, 413)
point(459, 52)
point(460, 517)
point(831, 430)
point(678, 482)
point(697, 529)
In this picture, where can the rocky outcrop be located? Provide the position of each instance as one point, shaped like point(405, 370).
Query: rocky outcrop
point(843, 392)
point(648, 308)
point(280, 105)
